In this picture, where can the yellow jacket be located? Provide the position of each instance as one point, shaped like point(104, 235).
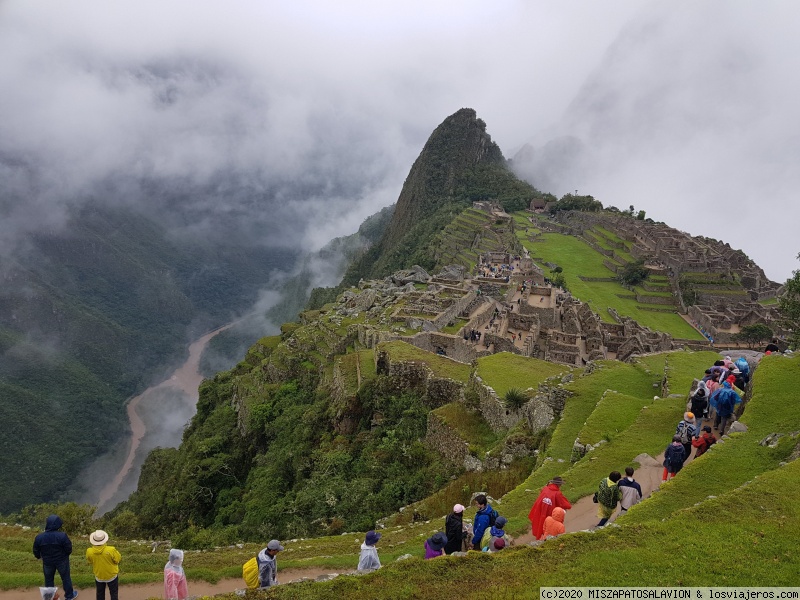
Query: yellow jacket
point(104, 560)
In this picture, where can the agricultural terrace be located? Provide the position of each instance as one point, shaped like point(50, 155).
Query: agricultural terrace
point(576, 258)
point(504, 370)
point(441, 366)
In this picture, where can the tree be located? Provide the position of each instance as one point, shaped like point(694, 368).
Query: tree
point(789, 306)
point(633, 273)
point(753, 335)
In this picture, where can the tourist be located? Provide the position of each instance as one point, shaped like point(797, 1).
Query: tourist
point(549, 498)
point(698, 406)
point(608, 495)
point(454, 530)
point(175, 587)
point(631, 491)
point(554, 524)
point(268, 564)
point(434, 545)
point(704, 442)
point(686, 431)
point(674, 457)
point(53, 547)
point(493, 533)
point(482, 520)
point(498, 545)
point(368, 559)
point(105, 565)
point(724, 400)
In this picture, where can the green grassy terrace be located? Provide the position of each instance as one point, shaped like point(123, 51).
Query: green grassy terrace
point(503, 371)
point(576, 258)
point(440, 366)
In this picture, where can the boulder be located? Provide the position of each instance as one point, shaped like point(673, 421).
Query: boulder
point(415, 274)
point(452, 272)
point(737, 427)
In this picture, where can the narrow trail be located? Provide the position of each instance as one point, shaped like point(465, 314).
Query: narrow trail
point(583, 514)
point(187, 379)
point(143, 591)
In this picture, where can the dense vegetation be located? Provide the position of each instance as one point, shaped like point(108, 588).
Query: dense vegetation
point(292, 474)
point(91, 314)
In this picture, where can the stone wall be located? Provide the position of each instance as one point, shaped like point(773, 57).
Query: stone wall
point(417, 377)
point(523, 322)
point(446, 442)
point(670, 300)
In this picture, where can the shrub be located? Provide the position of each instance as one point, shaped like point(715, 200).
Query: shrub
point(515, 398)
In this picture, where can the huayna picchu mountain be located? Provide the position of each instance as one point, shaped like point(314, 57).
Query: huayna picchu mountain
point(458, 165)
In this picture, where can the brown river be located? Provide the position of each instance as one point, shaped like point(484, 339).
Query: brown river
point(157, 418)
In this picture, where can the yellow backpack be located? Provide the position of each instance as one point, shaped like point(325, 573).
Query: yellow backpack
point(250, 572)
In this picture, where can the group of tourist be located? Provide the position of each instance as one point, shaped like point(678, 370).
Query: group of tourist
point(713, 400)
point(486, 534)
point(53, 547)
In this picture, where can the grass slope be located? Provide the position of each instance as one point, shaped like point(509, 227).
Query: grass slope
point(578, 258)
point(504, 370)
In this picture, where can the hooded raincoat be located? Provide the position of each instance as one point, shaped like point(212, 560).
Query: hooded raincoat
point(554, 524)
point(175, 587)
point(549, 498)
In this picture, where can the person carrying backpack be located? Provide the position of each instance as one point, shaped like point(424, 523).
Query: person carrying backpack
point(268, 564)
point(484, 518)
point(686, 431)
point(674, 457)
point(705, 442)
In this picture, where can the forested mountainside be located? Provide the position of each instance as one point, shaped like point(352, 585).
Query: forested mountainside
point(89, 314)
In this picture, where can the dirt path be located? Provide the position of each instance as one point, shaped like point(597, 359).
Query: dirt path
point(187, 379)
point(583, 514)
point(142, 591)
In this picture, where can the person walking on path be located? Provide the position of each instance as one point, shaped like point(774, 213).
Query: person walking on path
point(484, 519)
point(454, 530)
point(554, 524)
point(704, 442)
point(631, 491)
point(698, 406)
point(686, 432)
point(608, 495)
point(175, 587)
point(724, 401)
point(674, 457)
point(434, 545)
point(105, 565)
point(53, 547)
point(368, 560)
point(549, 498)
point(268, 564)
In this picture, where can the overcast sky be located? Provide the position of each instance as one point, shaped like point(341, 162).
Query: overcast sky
point(684, 109)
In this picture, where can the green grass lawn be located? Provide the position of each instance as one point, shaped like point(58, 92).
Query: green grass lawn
point(504, 370)
point(578, 258)
point(455, 327)
point(470, 425)
point(440, 365)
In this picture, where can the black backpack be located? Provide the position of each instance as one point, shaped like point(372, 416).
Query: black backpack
point(493, 517)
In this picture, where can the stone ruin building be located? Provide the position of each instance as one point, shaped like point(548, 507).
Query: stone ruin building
point(726, 285)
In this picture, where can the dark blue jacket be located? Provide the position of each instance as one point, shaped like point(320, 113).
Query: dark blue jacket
point(481, 522)
point(52, 546)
